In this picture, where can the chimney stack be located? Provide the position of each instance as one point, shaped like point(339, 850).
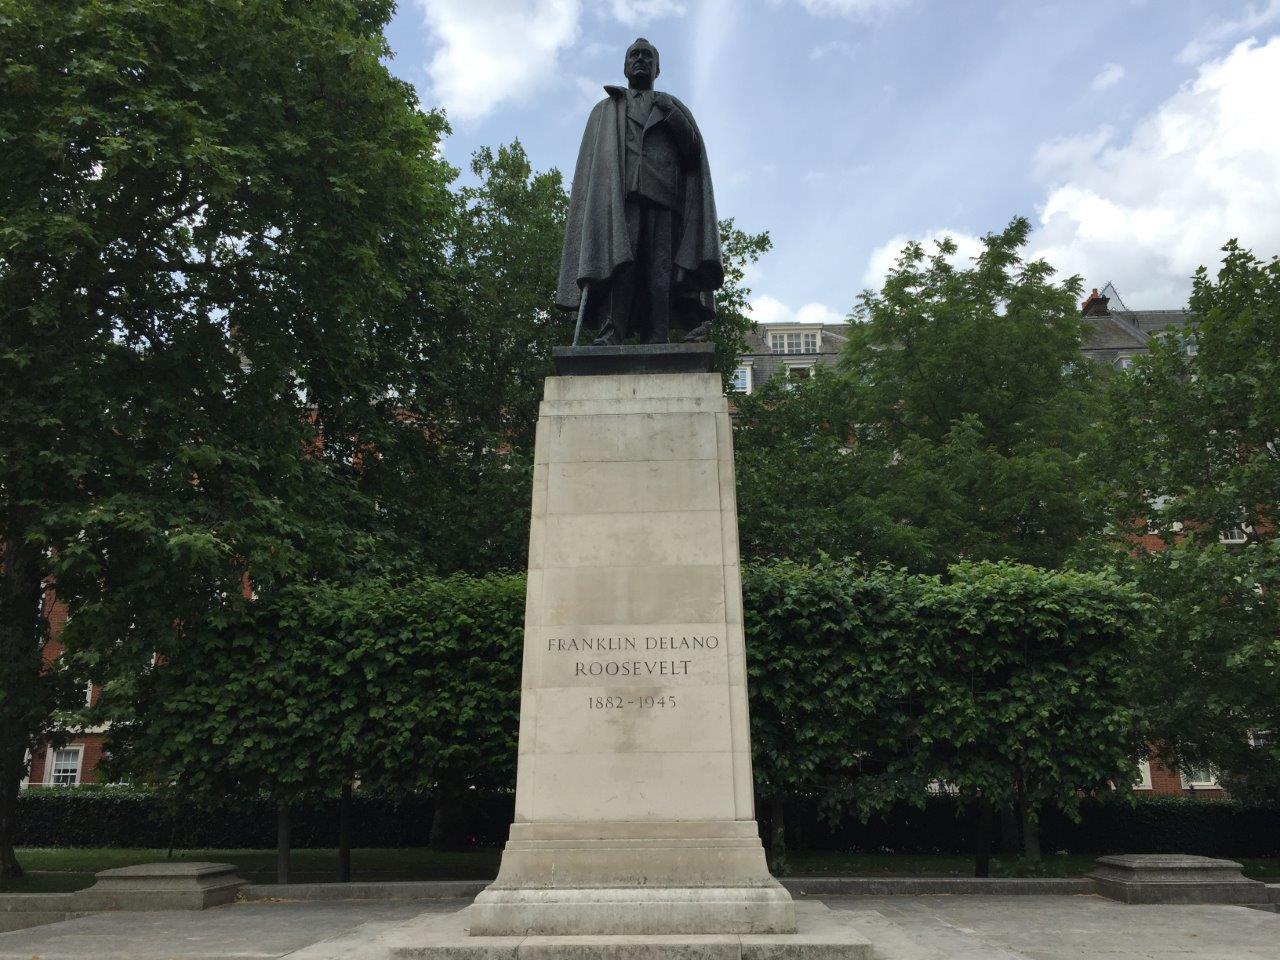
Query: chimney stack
point(1095, 305)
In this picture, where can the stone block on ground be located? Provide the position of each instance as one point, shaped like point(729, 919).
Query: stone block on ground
point(1175, 878)
point(161, 886)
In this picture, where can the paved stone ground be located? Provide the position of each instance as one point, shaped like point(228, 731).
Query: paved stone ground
point(1059, 928)
point(243, 931)
point(903, 928)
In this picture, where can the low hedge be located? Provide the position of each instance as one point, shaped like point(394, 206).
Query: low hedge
point(118, 817)
point(121, 817)
point(1151, 824)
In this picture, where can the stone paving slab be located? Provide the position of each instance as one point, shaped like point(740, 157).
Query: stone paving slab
point(239, 931)
point(900, 927)
point(1060, 928)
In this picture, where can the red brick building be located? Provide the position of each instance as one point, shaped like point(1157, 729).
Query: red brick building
point(76, 761)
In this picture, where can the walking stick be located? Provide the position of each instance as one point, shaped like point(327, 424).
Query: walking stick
point(582, 312)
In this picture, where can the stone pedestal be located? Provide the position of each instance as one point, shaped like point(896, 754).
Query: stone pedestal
point(634, 809)
point(160, 886)
point(1175, 878)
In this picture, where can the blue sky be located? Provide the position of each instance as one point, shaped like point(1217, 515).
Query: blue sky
point(1137, 134)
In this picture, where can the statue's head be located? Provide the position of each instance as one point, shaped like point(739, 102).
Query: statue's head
point(641, 64)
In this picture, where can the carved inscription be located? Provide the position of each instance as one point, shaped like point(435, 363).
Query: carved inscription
point(632, 657)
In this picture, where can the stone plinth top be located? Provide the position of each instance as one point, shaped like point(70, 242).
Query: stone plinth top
point(147, 871)
point(161, 886)
point(642, 358)
point(1174, 878)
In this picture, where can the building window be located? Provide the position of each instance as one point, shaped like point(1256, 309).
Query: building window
point(1124, 363)
point(784, 342)
point(65, 769)
point(797, 342)
point(1144, 776)
point(797, 373)
point(1198, 779)
point(1236, 534)
point(741, 382)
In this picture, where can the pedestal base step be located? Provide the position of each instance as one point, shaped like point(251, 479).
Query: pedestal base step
point(822, 934)
point(633, 911)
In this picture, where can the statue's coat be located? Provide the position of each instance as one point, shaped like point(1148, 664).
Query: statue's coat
point(595, 236)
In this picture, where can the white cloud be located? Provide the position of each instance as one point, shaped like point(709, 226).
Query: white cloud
point(1200, 169)
point(633, 13)
point(830, 48)
point(1108, 76)
point(1254, 18)
point(495, 50)
point(885, 256)
point(767, 309)
point(852, 9)
point(1146, 211)
point(1065, 155)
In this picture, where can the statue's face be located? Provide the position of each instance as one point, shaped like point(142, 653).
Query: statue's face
point(641, 66)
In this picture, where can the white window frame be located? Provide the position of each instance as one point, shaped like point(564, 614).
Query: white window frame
point(50, 759)
point(745, 370)
point(800, 365)
point(804, 341)
point(1144, 775)
point(1208, 782)
point(1124, 362)
point(1236, 535)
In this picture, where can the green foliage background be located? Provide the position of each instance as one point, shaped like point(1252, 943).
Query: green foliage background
point(866, 686)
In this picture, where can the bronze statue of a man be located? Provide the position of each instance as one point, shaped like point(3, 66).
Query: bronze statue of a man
point(642, 244)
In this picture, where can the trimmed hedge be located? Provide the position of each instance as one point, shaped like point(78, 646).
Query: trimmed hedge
point(1162, 824)
point(120, 817)
point(116, 817)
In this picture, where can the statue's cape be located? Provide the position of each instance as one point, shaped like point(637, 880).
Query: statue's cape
point(595, 236)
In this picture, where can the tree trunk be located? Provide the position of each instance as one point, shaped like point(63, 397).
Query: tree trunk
point(983, 819)
point(284, 838)
point(778, 832)
point(22, 710)
point(448, 822)
point(344, 834)
point(1030, 831)
point(10, 779)
point(1010, 842)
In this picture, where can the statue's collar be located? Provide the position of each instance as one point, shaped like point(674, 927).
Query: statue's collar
point(615, 91)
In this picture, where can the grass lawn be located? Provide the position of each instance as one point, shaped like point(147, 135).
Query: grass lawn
point(58, 869)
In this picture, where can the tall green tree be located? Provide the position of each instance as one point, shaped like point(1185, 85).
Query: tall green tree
point(458, 476)
point(1193, 428)
point(971, 378)
point(222, 251)
point(1191, 454)
point(732, 321)
point(955, 427)
point(808, 486)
